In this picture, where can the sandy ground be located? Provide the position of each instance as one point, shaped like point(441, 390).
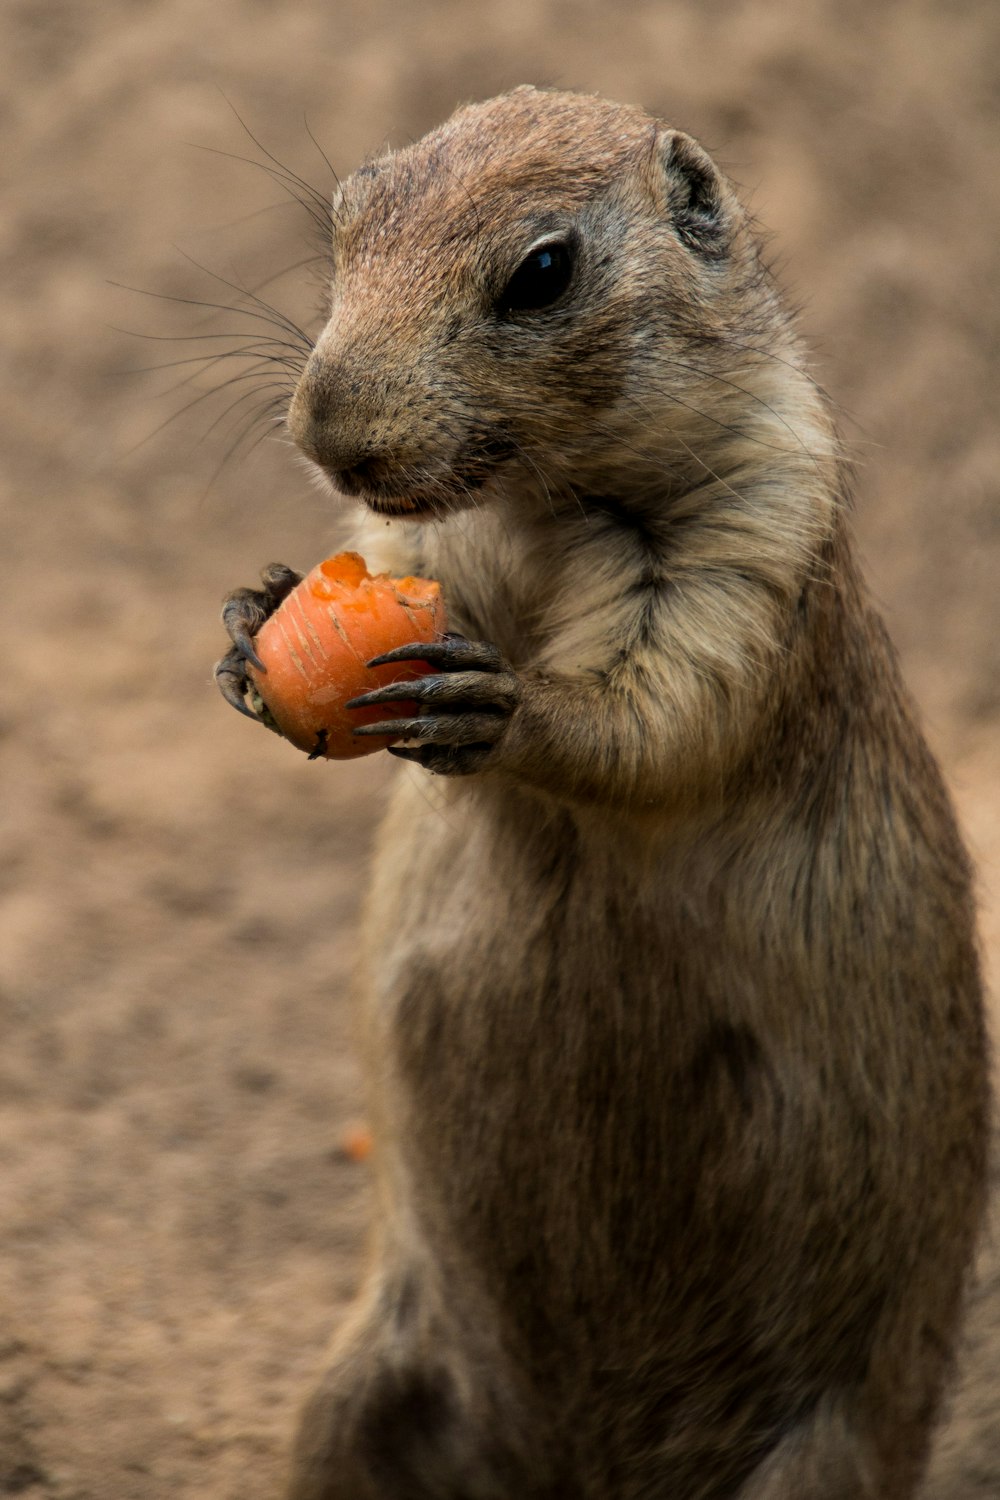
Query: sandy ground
point(180, 1228)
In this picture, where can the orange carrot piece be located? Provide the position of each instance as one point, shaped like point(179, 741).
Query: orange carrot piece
point(317, 643)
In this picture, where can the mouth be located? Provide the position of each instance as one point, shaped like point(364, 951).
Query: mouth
point(385, 493)
point(385, 500)
point(420, 503)
point(402, 508)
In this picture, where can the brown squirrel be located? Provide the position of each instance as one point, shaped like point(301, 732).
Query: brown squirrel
point(677, 1059)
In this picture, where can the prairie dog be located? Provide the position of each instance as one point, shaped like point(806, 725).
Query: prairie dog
point(675, 1035)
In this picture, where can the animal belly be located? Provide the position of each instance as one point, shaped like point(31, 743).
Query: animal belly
point(637, 1144)
point(562, 1103)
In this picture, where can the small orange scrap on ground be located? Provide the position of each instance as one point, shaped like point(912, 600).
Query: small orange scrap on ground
point(356, 1143)
point(318, 642)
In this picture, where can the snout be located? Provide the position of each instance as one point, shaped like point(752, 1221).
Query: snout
point(397, 429)
point(331, 419)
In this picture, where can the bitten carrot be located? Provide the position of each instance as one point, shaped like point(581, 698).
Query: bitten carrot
point(316, 645)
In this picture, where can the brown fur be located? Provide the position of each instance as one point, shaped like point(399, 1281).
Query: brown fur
point(676, 1045)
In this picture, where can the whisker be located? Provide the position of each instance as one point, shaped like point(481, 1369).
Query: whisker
point(282, 320)
point(310, 260)
point(319, 148)
point(192, 338)
point(208, 360)
point(271, 402)
point(258, 358)
point(306, 186)
point(318, 210)
point(726, 341)
point(258, 372)
point(752, 396)
point(243, 312)
point(528, 459)
point(724, 426)
point(234, 446)
point(180, 412)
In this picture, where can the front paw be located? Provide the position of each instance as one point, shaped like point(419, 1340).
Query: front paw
point(465, 706)
point(243, 613)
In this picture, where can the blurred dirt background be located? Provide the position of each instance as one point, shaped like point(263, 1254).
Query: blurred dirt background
point(180, 1225)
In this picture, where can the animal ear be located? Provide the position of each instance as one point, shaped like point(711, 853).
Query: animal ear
point(694, 193)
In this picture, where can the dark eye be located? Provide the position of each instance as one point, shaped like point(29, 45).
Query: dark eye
point(540, 279)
